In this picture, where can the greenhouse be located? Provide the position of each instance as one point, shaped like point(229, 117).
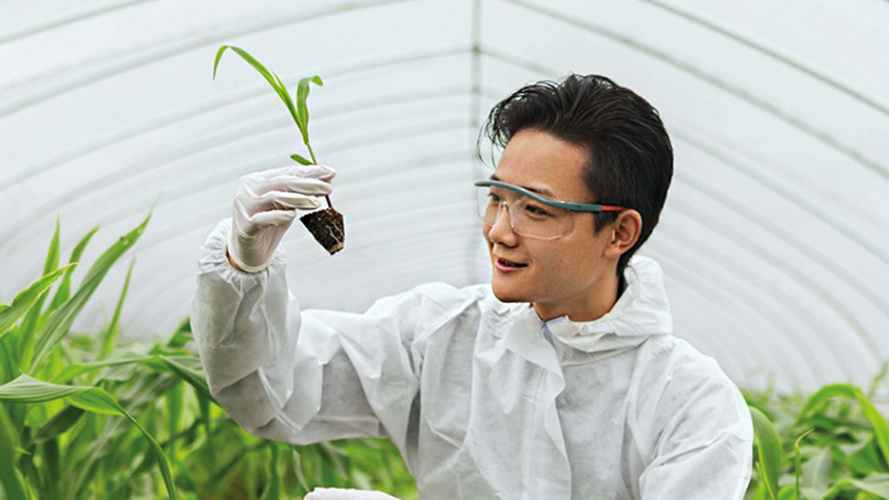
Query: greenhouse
point(169, 330)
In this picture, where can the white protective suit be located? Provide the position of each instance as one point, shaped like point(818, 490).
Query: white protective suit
point(483, 399)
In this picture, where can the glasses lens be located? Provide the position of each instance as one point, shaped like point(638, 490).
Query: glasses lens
point(484, 204)
point(528, 217)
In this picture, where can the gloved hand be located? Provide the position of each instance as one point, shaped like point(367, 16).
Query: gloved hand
point(340, 494)
point(265, 206)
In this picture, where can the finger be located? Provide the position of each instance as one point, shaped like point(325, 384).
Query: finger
point(302, 185)
point(275, 200)
point(272, 218)
point(317, 171)
point(249, 203)
point(301, 171)
point(285, 183)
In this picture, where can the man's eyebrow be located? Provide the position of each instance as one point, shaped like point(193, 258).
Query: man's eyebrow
point(543, 191)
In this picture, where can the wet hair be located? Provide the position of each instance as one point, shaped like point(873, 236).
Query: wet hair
point(630, 155)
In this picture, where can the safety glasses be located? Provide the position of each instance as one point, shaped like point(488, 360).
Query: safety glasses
point(530, 215)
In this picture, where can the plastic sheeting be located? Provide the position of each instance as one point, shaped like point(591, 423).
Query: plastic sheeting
point(774, 239)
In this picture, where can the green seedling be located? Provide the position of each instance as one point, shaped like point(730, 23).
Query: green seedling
point(326, 225)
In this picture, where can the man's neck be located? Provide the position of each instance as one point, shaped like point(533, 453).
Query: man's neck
point(603, 301)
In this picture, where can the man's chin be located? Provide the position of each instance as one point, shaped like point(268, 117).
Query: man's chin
point(505, 295)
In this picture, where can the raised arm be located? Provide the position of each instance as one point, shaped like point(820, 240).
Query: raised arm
point(292, 375)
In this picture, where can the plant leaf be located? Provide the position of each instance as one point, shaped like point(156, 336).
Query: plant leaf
point(768, 446)
point(816, 472)
point(60, 321)
point(10, 479)
point(72, 370)
point(59, 423)
point(64, 291)
point(302, 110)
point(26, 389)
point(182, 335)
point(279, 88)
point(273, 490)
point(175, 397)
point(285, 94)
point(29, 324)
point(111, 332)
point(300, 159)
point(9, 368)
point(26, 299)
point(189, 375)
point(881, 427)
point(797, 459)
point(877, 484)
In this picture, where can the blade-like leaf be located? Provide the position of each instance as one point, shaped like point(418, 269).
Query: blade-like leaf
point(11, 481)
point(29, 324)
point(204, 408)
point(182, 335)
point(72, 370)
point(279, 88)
point(768, 446)
point(300, 159)
point(179, 367)
point(26, 299)
point(285, 94)
point(111, 332)
point(823, 394)
point(881, 427)
point(816, 472)
point(877, 484)
point(59, 423)
point(144, 389)
point(175, 397)
point(865, 458)
point(64, 291)
point(59, 323)
point(26, 389)
point(302, 109)
point(797, 459)
point(273, 489)
point(9, 368)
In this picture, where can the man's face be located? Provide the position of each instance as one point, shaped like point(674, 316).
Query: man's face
point(563, 276)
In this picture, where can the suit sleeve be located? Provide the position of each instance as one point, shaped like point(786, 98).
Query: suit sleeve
point(705, 445)
point(302, 376)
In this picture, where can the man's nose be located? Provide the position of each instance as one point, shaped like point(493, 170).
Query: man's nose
point(502, 220)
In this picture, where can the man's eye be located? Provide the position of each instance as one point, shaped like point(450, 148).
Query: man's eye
point(536, 211)
point(493, 197)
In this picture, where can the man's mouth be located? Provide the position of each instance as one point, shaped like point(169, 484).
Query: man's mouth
point(507, 263)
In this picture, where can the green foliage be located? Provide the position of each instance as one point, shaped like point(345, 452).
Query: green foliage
point(299, 112)
point(93, 416)
point(830, 445)
point(768, 447)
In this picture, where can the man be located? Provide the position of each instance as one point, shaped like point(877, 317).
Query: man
point(559, 380)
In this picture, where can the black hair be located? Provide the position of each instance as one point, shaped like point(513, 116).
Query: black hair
point(630, 155)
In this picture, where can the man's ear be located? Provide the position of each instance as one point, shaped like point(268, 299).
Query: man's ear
point(625, 231)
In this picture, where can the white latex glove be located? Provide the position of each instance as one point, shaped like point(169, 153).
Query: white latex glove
point(340, 494)
point(265, 206)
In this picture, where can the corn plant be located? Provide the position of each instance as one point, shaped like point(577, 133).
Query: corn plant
point(87, 416)
point(299, 110)
point(833, 444)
